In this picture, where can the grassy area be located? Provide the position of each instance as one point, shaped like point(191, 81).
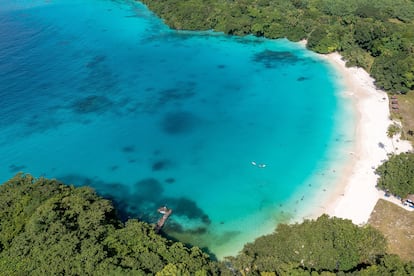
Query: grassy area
point(405, 114)
point(397, 225)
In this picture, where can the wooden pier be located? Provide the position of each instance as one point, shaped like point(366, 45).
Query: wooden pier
point(165, 214)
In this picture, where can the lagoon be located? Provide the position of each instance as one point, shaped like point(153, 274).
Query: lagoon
point(102, 93)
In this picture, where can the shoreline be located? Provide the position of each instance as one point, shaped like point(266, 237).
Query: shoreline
point(355, 195)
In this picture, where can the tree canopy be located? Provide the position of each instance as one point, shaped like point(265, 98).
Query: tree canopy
point(48, 228)
point(322, 245)
point(378, 36)
point(397, 175)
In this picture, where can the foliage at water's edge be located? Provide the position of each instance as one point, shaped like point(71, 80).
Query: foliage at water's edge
point(49, 228)
point(378, 36)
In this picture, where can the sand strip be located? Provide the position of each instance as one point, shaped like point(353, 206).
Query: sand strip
point(356, 195)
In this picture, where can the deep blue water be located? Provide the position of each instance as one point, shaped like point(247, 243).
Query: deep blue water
point(102, 93)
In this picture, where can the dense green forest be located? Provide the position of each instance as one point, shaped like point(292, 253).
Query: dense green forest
point(326, 246)
point(397, 175)
point(48, 228)
point(375, 35)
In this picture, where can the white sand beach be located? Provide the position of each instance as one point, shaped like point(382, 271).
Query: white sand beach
point(356, 195)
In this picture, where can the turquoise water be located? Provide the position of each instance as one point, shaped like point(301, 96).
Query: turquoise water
point(101, 93)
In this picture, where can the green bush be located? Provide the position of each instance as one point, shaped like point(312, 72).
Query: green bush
point(397, 175)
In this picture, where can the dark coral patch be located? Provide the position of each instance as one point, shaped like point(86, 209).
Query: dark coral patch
point(78, 180)
point(302, 78)
point(95, 61)
point(273, 59)
point(91, 104)
point(169, 180)
point(16, 168)
point(161, 165)
point(99, 77)
point(183, 91)
point(128, 149)
point(148, 188)
point(189, 208)
point(244, 40)
point(178, 228)
point(179, 122)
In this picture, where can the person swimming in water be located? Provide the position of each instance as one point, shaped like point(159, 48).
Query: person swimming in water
point(258, 165)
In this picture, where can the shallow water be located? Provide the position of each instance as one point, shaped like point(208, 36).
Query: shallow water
point(101, 93)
